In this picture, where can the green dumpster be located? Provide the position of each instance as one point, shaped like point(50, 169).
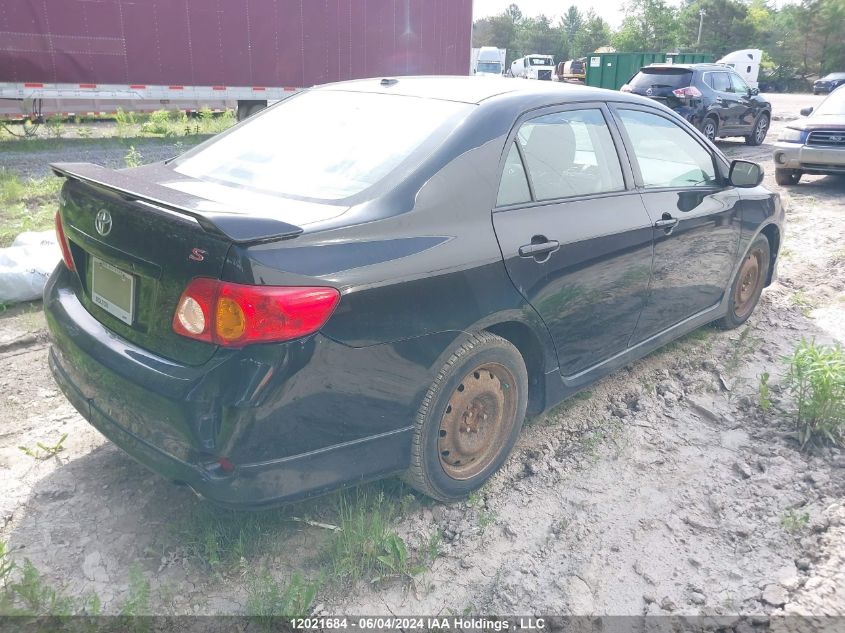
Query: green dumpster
point(612, 70)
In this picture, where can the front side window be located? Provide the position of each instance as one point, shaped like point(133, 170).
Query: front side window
point(570, 154)
point(323, 144)
point(666, 154)
point(738, 85)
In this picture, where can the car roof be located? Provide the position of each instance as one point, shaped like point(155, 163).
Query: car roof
point(464, 89)
point(721, 67)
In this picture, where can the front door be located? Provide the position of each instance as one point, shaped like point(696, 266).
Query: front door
point(575, 235)
point(696, 217)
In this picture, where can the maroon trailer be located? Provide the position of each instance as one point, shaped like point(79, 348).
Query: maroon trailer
point(79, 56)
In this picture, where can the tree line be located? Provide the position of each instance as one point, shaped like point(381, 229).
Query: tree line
point(800, 40)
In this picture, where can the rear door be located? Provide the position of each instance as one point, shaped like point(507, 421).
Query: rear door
point(575, 235)
point(696, 217)
point(726, 102)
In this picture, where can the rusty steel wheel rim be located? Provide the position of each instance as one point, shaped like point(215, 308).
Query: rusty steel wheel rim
point(746, 287)
point(478, 420)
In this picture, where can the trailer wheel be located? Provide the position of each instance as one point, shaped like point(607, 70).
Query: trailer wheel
point(247, 108)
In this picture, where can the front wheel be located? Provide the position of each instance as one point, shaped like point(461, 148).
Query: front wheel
point(469, 419)
point(787, 176)
point(748, 284)
point(759, 131)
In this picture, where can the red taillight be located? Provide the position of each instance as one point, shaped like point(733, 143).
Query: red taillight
point(235, 315)
point(60, 236)
point(626, 88)
point(690, 92)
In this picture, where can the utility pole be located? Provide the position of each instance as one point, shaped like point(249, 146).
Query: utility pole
point(701, 14)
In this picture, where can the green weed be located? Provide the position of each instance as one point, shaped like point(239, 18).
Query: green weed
point(29, 595)
point(133, 157)
point(816, 381)
point(764, 399)
point(49, 451)
point(56, 126)
point(268, 599)
point(793, 522)
point(803, 302)
point(366, 546)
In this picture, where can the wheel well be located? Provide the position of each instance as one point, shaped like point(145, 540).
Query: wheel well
point(773, 235)
point(521, 337)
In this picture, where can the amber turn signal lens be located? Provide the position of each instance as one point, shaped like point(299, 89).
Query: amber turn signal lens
point(231, 322)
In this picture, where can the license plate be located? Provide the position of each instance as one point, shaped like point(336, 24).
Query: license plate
point(113, 290)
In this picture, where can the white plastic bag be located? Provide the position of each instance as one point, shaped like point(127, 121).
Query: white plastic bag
point(26, 265)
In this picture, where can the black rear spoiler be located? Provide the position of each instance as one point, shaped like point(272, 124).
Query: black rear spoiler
point(213, 217)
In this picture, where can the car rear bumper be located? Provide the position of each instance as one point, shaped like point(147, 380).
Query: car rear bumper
point(179, 420)
point(809, 159)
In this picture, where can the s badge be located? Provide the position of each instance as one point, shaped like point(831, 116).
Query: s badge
point(197, 255)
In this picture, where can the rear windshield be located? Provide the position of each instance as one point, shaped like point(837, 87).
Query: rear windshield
point(539, 61)
point(672, 78)
point(323, 144)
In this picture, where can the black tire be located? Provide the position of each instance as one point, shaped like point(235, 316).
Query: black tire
point(759, 131)
point(710, 128)
point(788, 177)
point(437, 472)
point(745, 292)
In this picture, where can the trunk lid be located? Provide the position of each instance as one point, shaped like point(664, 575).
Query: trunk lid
point(149, 242)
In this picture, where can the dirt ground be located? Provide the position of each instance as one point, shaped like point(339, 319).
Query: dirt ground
point(665, 490)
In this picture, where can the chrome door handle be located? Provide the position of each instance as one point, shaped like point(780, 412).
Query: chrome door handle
point(538, 249)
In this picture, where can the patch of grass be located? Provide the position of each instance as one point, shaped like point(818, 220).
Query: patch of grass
point(7, 565)
point(56, 126)
point(30, 595)
point(486, 518)
point(220, 538)
point(268, 599)
point(803, 302)
point(49, 451)
point(26, 204)
point(816, 381)
point(793, 522)
point(367, 546)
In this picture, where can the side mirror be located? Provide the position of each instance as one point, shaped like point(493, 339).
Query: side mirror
point(744, 173)
point(807, 111)
point(753, 92)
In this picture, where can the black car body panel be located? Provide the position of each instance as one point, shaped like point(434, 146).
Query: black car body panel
point(721, 98)
point(828, 83)
point(421, 259)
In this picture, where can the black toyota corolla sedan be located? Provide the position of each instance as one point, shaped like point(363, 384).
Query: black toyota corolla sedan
point(386, 276)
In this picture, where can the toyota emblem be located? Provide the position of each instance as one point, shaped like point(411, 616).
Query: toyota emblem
point(103, 222)
point(837, 139)
point(649, 92)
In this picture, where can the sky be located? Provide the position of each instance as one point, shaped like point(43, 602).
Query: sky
point(610, 10)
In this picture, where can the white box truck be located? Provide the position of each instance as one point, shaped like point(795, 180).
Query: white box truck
point(488, 61)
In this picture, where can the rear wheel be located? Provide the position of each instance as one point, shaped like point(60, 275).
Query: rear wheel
point(759, 131)
point(470, 418)
point(747, 284)
point(710, 127)
point(787, 176)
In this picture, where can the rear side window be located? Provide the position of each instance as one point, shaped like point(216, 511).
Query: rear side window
point(570, 154)
point(666, 154)
point(669, 78)
point(514, 186)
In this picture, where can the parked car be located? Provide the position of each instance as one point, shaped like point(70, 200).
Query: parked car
point(828, 83)
point(264, 320)
point(714, 98)
point(814, 145)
